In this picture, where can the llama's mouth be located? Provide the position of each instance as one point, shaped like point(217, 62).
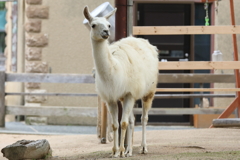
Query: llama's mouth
point(105, 36)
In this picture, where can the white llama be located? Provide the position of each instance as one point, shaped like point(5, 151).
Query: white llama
point(127, 70)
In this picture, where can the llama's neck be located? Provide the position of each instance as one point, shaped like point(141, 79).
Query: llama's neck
point(102, 58)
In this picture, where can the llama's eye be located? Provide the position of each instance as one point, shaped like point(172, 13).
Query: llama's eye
point(93, 26)
point(109, 26)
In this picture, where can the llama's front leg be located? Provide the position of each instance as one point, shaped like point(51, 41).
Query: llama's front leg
point(147, 103)
point(130, 133)
point(127, 110)
point(113, 108)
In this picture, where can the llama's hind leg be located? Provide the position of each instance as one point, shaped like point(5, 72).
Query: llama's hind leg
point(127, 110)
point(147, 103)
point(130, 132)
point(113, 108)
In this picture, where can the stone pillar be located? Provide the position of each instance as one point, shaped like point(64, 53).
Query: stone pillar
point(35, 41)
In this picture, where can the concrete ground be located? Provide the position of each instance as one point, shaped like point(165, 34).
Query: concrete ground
point(22, 128)
point(169, 144)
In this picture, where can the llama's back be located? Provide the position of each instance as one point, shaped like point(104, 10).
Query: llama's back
point(138, 60)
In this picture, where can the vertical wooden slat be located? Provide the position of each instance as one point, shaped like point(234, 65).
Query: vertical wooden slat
point(121, 19)
point(104, 123)
point(2, 99)
point(99, 118)
point(228, 111)
point(129, 17)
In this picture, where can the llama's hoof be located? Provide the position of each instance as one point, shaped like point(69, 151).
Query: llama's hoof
point(144, 150)
point(103, 140)
point(128, 152)
point(115, 155)
point(122, 154)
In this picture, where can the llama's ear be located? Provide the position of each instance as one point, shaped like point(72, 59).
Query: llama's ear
point(110, 14)
point(87, 14)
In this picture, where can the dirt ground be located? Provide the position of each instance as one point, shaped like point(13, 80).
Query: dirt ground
point(196, 144)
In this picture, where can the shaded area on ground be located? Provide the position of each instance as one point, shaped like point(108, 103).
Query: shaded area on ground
point(21, 127)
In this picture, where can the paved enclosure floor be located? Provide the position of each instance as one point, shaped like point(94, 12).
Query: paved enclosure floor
point(169, 144)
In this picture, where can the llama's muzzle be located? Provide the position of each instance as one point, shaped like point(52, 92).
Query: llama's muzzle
point(105, 34)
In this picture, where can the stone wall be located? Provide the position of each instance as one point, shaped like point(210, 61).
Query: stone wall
point(35, 41)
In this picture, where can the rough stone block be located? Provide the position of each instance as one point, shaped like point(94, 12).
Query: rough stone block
point(36, 40)
point(33, 54)
point(33, 26)
point(36, 67)
point(36, 99)
point(37, 12)
point(33, 85)
point(28, 149)
point(34, 1)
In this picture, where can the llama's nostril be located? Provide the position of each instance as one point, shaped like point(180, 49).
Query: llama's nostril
point(106, 32)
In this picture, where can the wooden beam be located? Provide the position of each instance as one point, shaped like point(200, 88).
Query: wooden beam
point(162, 78)
point(172, 1)
point(235, 48)
point(204, 1)
point(49, 78)
point(52, 94)
point(180, 111)
point(92, 111)
point(104, 123)
point(53, 111)
point(185, 30)
point(196, 78)
point(197, 89)
point(198, 65)
point(163, 96)
point(157, 96)
point(99, 123)
point(236, 103)
point(229, 110)
point(2, 99)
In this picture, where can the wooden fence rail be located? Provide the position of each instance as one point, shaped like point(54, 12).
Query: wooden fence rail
point(49, 78)
point(195, 78)
point(92, 111)
point(156, 96)
point(198, 65)
point(185, 30)
point(89, 111)
point(162, 78)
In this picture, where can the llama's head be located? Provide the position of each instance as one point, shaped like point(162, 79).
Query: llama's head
point(99, 25)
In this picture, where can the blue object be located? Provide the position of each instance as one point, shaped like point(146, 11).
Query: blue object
point(2, 20)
